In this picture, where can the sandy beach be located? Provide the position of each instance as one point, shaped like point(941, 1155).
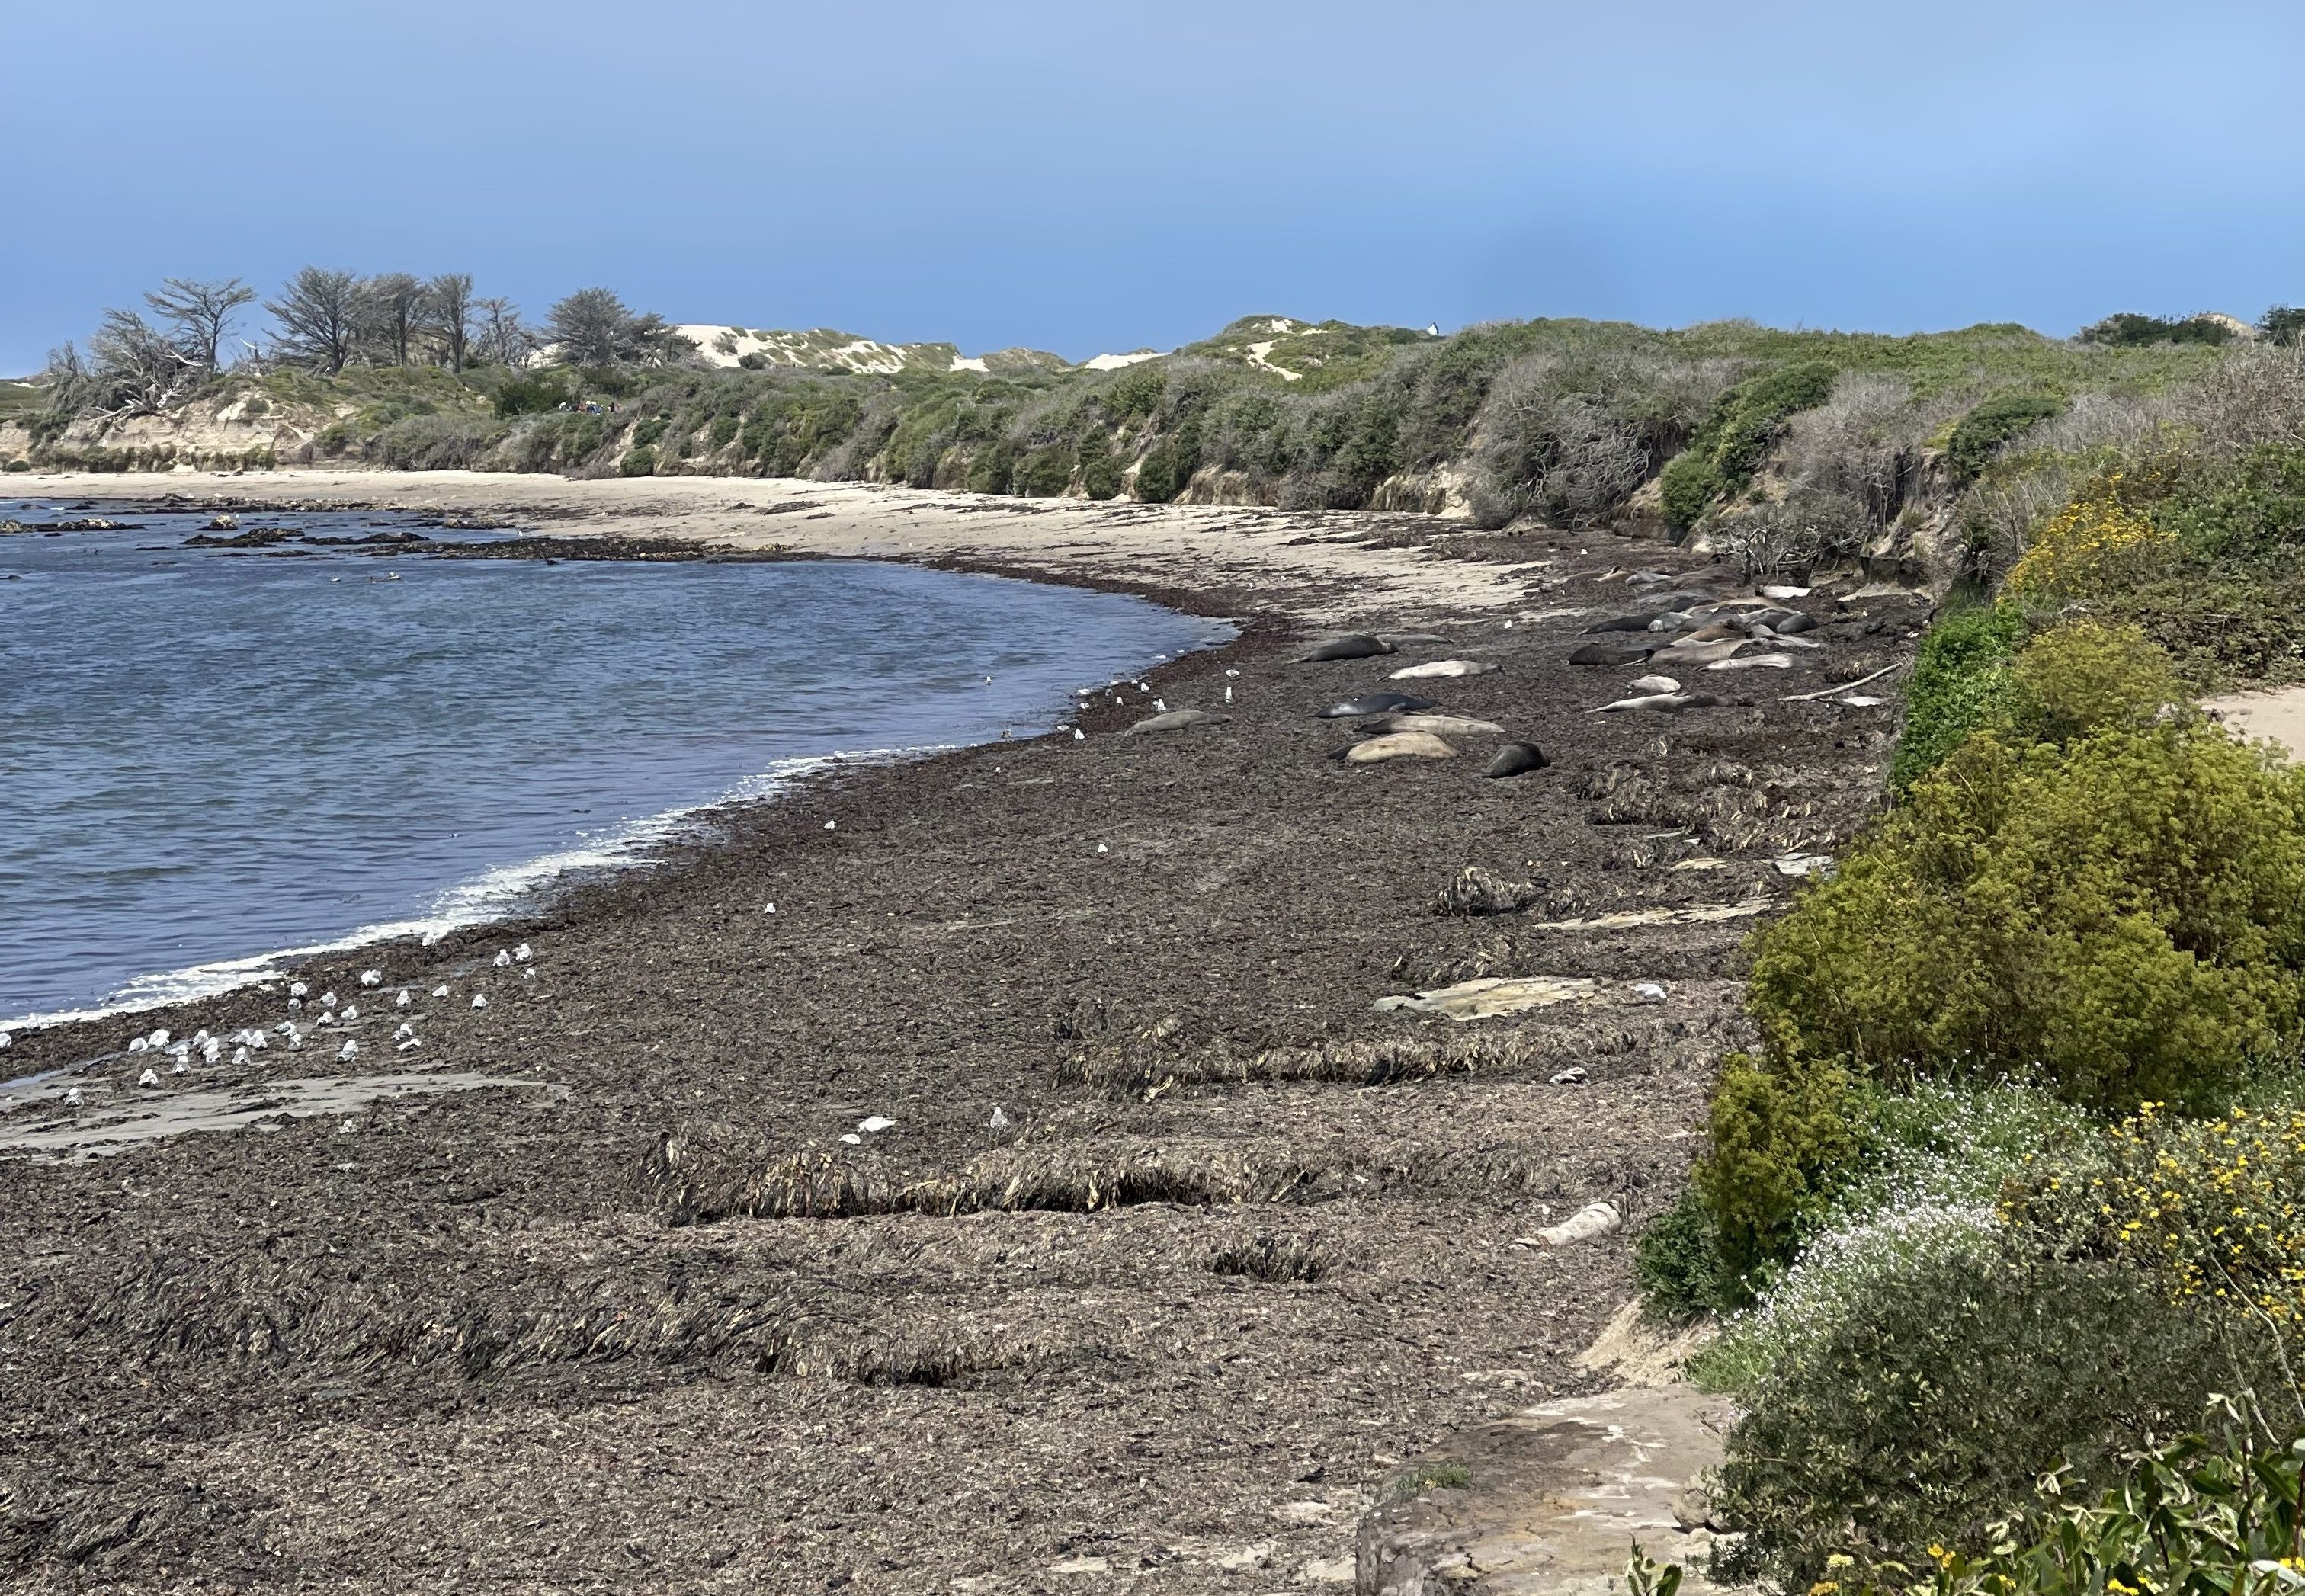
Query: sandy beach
point(1178, 1248)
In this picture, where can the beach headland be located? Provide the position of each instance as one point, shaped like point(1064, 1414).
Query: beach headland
point(1178, 1252)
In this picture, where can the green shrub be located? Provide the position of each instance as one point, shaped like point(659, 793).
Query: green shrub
point(1677, 1263)
point(581, 437)
point(639, 461)
point(1959, 678)
point(436, 443)
point(2128, 330)
point(1911, 1377)
point(1101, 469)
point(648, 431)
point(1979, 434)
point(724, 430)
point(2121, 916)
point(533, 395)
point(2212, 1514)
point(2253, 506)
point(1046, 472)
point(1687, 488)
point(1736, 437)
point(1782, 1137)
point(1167, 466)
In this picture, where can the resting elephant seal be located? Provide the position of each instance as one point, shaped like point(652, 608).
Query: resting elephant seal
point(1613, 654)
point(1398, 745)
point(1667, 702)
point(1685, 652)
point(1440, 725)
point(1373, 703)
point(1352, 646)
point(1178, 720)
point(1441, 668)
point(1639, 623)
point(1517, 758)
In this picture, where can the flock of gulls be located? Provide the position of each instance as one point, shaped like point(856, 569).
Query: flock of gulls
point(320, 1019)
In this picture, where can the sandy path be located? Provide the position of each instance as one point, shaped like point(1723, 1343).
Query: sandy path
point(1315, 566)
point(2278, 715)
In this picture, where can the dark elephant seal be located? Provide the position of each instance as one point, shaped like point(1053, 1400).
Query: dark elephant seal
point(1373, 703)
point(1517, 758)
point(1638, 622)
point(1611, 654)
point(1178, 720)
point(1353, 646)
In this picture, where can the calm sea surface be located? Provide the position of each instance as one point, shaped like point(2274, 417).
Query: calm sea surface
point(209, 756)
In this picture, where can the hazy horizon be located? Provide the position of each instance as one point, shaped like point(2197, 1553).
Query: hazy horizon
point(998, 176)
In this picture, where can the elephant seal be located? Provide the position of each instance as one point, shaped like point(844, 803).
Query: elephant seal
point(1441, 668)
point(1613, 654)
point(1178, 720)
point(1440, 725)
point(1394, 642)
point(1746, 662)
point(1667, 702)
point(1656, 684)
point(1373, 703)
point(1398, 745)
point(1638, 623)
point(1516, 758)
point(1352, 646)
point(1685, 652)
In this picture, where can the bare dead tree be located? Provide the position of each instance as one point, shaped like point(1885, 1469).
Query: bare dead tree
point(64, 381)
point(499, 335)
point(138, 370)
point(390, 309)
point(318, 313)
point(199, 312)
point(447, 316)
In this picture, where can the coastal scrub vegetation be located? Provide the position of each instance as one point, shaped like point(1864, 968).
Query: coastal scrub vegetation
point(2009, 1188)
point(1782, 448)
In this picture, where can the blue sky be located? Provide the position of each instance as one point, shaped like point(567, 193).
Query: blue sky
point(1081, 177)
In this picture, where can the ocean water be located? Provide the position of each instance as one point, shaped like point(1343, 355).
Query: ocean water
point(209, 757)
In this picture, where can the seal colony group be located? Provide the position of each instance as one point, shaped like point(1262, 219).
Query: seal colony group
point(1710, 623)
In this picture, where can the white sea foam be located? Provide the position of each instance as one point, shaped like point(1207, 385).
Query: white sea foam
point(492, 895)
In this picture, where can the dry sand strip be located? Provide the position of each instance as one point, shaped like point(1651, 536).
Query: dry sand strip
point(1336, 567)
point(1233, 1253)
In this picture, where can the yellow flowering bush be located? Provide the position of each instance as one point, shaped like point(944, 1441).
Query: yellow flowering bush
point(2209, 1207)
point(2098, 545)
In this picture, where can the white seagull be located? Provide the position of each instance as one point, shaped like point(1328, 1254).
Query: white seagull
point(372, 978)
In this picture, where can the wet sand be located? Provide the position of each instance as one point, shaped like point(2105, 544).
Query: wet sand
point(1241, 1252)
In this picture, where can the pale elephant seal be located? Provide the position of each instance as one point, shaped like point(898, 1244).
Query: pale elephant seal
point(1748, 662)
point(1394, 642)
point(1697, 653)
point(1352, 646)
point(1517, 758)
point(1373, 703)
point(1656, 684)
point(1441, 668)
point(1666, 702)
point(1440, 725)
point(1398, 745)
point(1613, 654)
point(1178, 720)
